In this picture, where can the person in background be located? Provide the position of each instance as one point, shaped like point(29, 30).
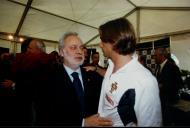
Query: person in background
point(130, 94)
point(97, 78)
point(94, 66)
point(71, 87)
point(86, 57)
point(170, 81)
point(29, 71)
point(95, 59)
point(7, 83)
point(9, 102)
point(25, 44)
point(58, 59)
point(142, 60)
point(7, 93)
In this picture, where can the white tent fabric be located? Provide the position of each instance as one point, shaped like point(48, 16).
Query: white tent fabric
point(50, 19)
point(180, 47)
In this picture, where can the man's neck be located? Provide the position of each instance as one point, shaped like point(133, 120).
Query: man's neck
point(120, 60)
point(73, 67)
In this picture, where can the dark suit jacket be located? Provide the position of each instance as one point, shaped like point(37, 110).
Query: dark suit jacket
point(170, 81)
point(64, 104)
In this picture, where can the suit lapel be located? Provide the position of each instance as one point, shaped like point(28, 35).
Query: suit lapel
point(84, 78)
point(63, 76)
point(164, 67)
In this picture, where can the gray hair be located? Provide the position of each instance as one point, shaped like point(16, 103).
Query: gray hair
point(41, 45)
point(61, 41)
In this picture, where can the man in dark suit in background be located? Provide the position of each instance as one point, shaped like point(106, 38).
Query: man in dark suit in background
point(170, 81)
point(95, 86)
point(68, 105)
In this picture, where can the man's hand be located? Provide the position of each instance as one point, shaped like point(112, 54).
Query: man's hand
point(8, 84)
point(100, 71)
point(90, 68)
point(96, 121)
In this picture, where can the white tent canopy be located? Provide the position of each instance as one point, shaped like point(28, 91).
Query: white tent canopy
point(50, 19)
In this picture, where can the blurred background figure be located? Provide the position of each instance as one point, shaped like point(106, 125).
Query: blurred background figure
point(169, 80)
point(86, 57)
point(9, 102)
point(7, 93)
point(29, 71)
point(142, 60)
point(95, 59)
point(58, 59)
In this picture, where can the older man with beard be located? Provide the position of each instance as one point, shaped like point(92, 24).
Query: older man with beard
point(69, 87)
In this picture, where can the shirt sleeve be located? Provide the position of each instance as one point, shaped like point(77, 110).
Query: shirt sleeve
point(148, 107)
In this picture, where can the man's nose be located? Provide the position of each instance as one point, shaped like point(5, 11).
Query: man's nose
point(79, 50)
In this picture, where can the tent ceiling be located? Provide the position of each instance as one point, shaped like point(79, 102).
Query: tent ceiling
point(162, 3)
point(49, 19)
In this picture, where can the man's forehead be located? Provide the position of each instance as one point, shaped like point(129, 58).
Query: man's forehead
point(73, 40)
point(96, 55)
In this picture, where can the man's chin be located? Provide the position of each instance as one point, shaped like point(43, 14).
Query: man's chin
point(80, 63)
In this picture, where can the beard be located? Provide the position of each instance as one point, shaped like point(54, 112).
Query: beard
point(77, 61)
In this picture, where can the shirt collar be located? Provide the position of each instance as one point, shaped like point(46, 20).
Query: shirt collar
point(128, 66)
point(70, 71)
point(162, 64)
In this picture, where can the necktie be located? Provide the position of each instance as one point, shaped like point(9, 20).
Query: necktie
point(79, 90)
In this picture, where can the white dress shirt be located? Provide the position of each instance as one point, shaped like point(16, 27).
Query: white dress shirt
point(162, 65)
point(70, 71)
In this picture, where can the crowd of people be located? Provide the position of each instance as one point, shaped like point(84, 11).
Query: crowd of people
point(64, 89)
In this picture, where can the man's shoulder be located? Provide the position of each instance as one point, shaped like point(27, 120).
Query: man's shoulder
point(171, 65)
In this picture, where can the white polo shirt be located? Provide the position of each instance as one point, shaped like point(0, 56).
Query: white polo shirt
point(138, 89)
